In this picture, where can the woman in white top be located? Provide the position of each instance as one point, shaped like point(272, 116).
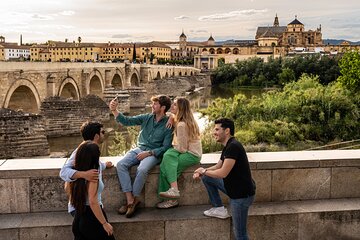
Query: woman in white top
point(185, 152)
point(90, 221)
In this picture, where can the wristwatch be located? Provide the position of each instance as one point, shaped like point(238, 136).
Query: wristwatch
point(203, 171)
point(151, 153)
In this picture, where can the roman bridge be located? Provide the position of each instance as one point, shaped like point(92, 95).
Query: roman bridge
point(25, 85)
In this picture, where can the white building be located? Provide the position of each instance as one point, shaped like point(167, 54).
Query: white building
point(13, 51)
point(16, 52)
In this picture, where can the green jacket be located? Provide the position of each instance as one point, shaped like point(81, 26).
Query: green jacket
point(154, 136)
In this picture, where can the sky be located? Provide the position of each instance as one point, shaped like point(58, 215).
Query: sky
point(163, 20)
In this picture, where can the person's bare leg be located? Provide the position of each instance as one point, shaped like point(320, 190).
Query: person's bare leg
point(129, 198)
point(174, 185)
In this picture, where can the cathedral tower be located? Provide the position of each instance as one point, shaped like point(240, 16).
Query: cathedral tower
point(276, 21)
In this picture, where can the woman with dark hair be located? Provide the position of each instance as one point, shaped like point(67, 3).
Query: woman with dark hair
point(185, 152)
point(90, 222)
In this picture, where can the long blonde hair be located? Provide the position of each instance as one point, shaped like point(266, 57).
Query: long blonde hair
point(184, 114)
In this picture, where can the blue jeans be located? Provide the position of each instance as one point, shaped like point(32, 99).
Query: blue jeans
point(123, 171)
point(239, 207)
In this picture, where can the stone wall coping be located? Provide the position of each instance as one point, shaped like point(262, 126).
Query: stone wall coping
point(258, 160)
point(50, 219)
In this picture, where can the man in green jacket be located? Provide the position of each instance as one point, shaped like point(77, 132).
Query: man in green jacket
point(154, 139)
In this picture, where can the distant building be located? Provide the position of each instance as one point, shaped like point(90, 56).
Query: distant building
point(185, 50)
point(270, 41)
point(13, 51)
point(147, 52)
point(57, 51)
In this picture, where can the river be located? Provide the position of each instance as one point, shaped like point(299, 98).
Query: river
point(198, 101)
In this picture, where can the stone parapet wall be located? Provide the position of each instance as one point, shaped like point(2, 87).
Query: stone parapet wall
point(64, 117)
point(34, 186)
point(22, 134)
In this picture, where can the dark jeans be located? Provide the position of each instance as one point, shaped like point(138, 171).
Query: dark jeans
point(87, 227)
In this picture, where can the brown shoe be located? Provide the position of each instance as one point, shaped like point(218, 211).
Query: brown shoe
point(131, 208)
point(123, 209)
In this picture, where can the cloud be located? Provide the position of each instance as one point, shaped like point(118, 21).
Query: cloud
point(198, 31)
point(348, 26)
point(67, 13)
point(57, 27)
point(42, 17)
point(121, 36)
point(198, 39)
point(182, 17)
point(231, 15)
point(132, 38)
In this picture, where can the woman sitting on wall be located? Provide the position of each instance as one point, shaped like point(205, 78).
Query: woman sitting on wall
point(186, 152)
point(90, 220)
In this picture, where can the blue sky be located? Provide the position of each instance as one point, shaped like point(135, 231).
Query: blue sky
point(147, 20)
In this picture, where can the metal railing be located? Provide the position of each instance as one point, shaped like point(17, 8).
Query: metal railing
point(352, 144)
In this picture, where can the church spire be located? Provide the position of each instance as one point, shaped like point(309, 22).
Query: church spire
point(276, 21)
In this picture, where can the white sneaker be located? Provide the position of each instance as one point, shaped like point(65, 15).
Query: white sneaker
point(218, 212)
point(171, 193)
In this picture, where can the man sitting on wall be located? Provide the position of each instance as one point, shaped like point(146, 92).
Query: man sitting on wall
point(154, 139)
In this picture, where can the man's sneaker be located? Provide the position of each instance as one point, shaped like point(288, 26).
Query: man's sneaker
point(218, 212)
point(171, 193)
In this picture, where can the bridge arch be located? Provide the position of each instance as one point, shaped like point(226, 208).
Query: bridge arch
point(135, 78)
point(95, 84)
point(158, 76)
point(117, 81)
point(166, 75)
point(23, 94)
point(69, 89)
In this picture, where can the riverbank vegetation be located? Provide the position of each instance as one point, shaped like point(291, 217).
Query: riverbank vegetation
point(276, 72)
point(308, 111)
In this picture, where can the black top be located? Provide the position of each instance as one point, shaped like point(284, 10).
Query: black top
point(238, 183)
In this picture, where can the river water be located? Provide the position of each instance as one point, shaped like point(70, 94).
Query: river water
point(65, 145)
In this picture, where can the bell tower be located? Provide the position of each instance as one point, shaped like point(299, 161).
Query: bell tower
point(276, 21)
point(182, 41)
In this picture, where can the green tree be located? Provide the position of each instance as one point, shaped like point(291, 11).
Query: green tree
point(124, 141)
point(304, 111)
point(350, 71)
point(286, 75)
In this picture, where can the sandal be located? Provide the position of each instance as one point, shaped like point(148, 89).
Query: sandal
point(167, 204)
